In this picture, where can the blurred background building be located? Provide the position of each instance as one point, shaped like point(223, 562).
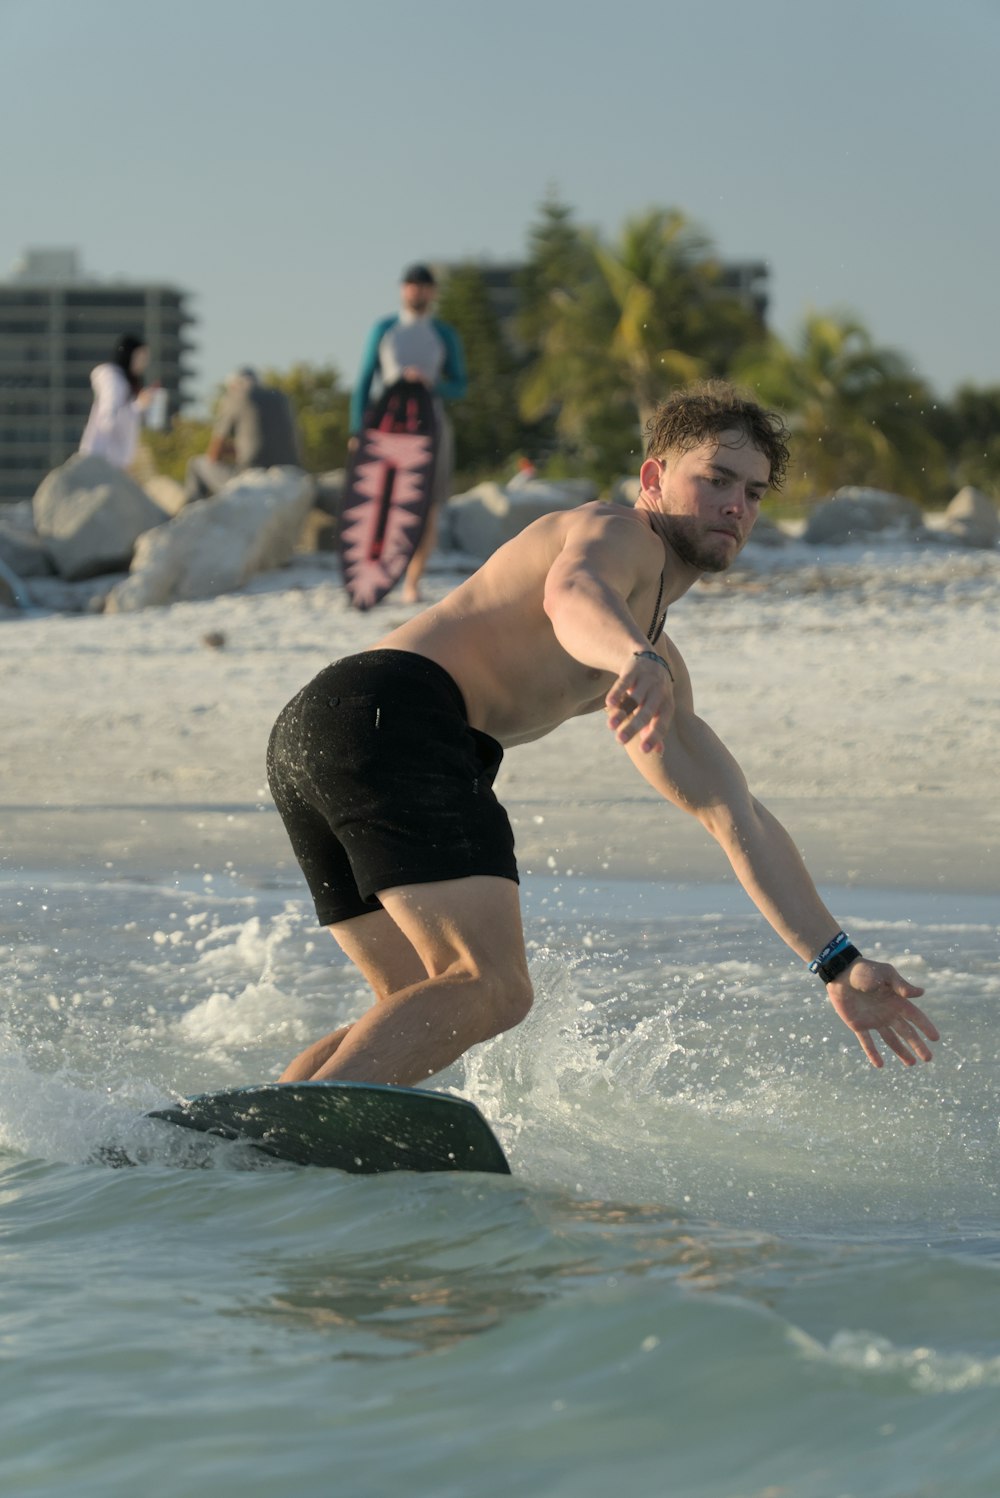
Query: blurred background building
point(56, 324)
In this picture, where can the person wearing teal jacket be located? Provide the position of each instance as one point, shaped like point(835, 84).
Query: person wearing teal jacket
point(412, 344)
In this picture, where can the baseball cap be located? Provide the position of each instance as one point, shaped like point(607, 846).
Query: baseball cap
point(417, 275)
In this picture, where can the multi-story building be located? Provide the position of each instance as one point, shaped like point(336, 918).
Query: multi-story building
point(55, 325)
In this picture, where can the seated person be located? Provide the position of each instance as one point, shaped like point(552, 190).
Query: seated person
point(255, 428)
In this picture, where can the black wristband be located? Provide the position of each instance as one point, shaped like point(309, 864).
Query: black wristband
point(835, 965)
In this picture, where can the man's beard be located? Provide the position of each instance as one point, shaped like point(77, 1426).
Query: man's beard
point(686, 536)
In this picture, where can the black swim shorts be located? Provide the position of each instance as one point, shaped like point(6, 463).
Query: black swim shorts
point(381, 782)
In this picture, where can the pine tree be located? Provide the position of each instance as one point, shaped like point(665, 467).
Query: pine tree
point(488, 428)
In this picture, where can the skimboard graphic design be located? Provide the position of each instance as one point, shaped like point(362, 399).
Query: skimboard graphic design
point(388, 493)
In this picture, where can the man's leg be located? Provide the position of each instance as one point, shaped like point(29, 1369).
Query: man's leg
point(467, 935)
point(375, 944)
point(205, 478)
point(418, 562)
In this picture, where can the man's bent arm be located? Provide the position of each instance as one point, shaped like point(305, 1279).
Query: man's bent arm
point(699, 774)
point(586, 599)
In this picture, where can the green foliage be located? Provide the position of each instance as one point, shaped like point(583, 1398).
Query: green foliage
point(170, 451)
point(558, 262)
point(979, 465)
point(857, 414)
point(488, 429)
point(969, 428)
point(611, 328)
point(322, 412)
point(616, 327)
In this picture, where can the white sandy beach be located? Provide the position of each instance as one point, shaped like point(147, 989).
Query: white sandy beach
point(858, 688)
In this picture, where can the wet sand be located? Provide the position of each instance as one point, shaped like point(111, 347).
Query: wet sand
point(861, 703)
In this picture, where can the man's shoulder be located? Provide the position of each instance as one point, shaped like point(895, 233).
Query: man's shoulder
point(617, 528)
point(603, 514)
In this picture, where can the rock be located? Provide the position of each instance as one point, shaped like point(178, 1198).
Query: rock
point(481, 520)
point(854, 513)
point(24, 552)
point(90, 515)
point(166, 493)
point(214, 545)
point(13, 593)
point(18, 515)
point(330, 491)
point(215, 639)
point(625, 491)
point(766, 533)
point(972, 519)
point(64, 597)
point(319, 533)
point(568, 492)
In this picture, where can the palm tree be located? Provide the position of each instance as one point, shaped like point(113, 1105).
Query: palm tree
point(645, 316)
point(858, 414)
point(675, 321)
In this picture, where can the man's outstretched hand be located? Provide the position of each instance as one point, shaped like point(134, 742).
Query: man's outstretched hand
point(872, 999)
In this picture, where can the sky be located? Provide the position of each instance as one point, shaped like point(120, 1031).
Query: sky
point(282, 162)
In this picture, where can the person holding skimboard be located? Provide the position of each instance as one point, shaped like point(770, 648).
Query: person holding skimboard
point(414, 346)
point(382, 767)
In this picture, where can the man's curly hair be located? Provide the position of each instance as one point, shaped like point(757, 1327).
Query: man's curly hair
point(689, 417)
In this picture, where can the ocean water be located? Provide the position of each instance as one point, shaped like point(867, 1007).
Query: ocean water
point(732, 1261)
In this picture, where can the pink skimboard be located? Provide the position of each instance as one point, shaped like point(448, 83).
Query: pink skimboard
point(388, 492)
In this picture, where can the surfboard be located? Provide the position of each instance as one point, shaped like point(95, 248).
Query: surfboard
point(388, 492)
point(359, 1127)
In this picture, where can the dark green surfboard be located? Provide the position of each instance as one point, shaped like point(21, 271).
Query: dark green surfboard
point(355, 1126)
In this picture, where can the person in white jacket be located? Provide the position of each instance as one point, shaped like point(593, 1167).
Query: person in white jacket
point(112, 430)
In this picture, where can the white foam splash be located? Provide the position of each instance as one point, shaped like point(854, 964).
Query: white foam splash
point(922, 1369)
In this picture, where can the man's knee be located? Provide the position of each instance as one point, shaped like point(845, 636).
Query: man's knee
point(510, 997)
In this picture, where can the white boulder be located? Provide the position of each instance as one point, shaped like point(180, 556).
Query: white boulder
point(330, 491)
point(626, 490)
point(487, 516)
point(13, 593)
point(24, 552)
point(766, 533)
point(90, 515)
point(855, 513)
point(214, 545)
point(972, 519)
point(166, 493)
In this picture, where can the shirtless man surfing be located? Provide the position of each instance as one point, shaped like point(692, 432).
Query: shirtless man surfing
point(382, 767)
